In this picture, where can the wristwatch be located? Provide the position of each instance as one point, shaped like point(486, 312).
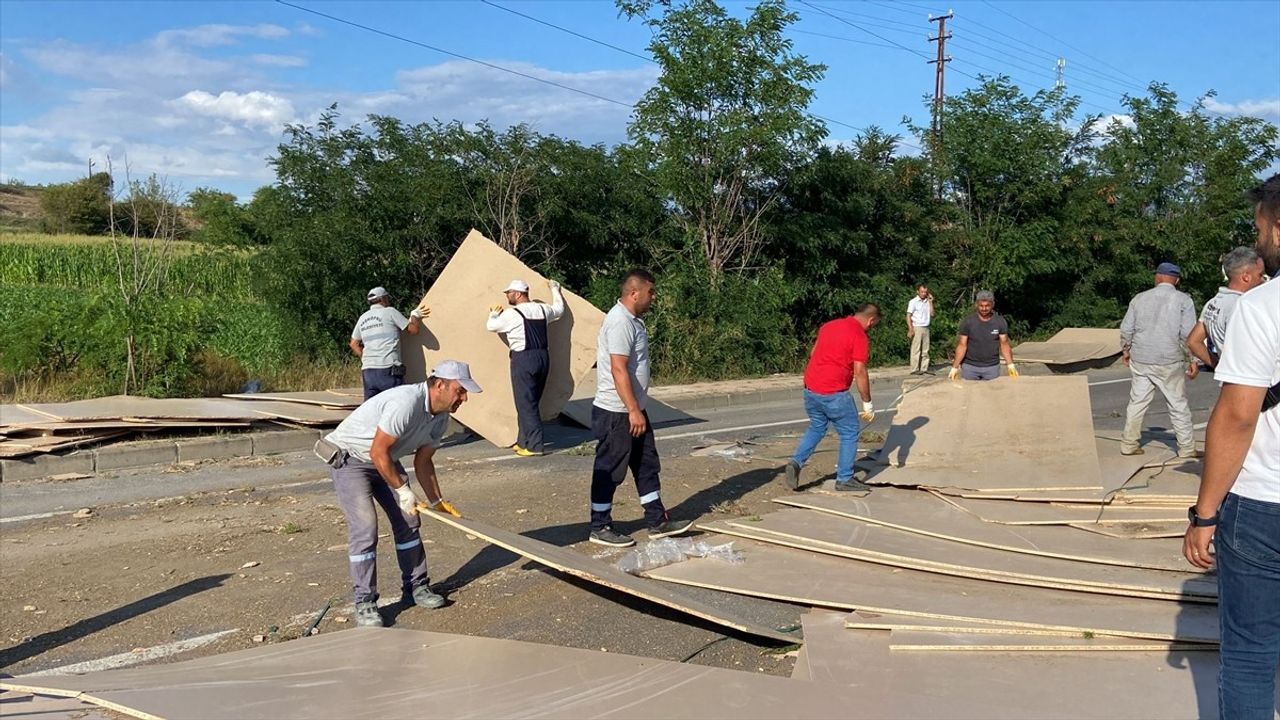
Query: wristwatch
point(1197, 521)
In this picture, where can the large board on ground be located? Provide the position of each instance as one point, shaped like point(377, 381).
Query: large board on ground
point(1033, 432)
point(806, 578)
point(449, 677)
point(1025, 686)
point(570, 561)
point(460, 299)
point(115, 407)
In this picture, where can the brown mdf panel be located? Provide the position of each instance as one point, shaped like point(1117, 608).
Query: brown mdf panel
point(931, 641)
point(923, 514)
point(571, 561)
point(1029, 433)
point(121, 406)
point(806, 578)
point(1104, 336)
point(448, 677)
point(1022, 686)
point(323, 398)
point(1171, 530)
point(298, 412)
point(1012, 512)
point(460, 299)
point(1062, 353)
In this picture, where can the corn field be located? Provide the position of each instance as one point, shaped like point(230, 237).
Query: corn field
point(76, 261)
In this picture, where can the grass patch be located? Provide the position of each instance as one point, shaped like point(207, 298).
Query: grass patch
point(291, 528)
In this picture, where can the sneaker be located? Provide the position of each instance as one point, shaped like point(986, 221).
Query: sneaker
point(612, 538)
point(367, 615)
point(852, 486)
point(1190, 454)
point(1132, 451)
point(669, 528)
point(522, 452)
point(424, 598)
point(791, 475)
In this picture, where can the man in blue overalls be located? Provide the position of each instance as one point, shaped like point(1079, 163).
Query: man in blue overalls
point(524, 322)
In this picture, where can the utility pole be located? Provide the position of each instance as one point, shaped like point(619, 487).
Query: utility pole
point(1059, 67)
point(939, 85)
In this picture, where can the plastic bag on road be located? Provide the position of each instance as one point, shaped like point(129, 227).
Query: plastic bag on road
point(667, 551)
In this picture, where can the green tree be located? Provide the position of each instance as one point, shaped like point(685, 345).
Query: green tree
point(726, 120)
point(222, 220)
point(80, 207)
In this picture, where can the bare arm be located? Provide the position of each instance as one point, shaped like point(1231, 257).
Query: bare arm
point(862, 379)
point(380, 454)
point(357, 347)
point(961, 348)
point(1196, 345)
point(415, 324)
point(622, 383)
point(1227, 441)
point(1006, 350)
point(911, 328)
point(425, 468)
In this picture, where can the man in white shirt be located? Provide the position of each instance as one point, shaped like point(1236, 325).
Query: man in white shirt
point(1238, 507)
point(524, 322)
point(919, 315)
point(1244, 271)
point(376, 341)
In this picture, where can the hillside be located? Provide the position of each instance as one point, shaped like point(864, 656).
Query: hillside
point(19, 207)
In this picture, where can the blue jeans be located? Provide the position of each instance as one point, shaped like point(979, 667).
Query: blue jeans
point(378, 379)
point(1247, 547)
point(834, 409)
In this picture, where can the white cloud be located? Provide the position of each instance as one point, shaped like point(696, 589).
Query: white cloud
point(283, 61)
point(1103, 125)
point(218, 34)
point(251, 108)
point(1267, 108)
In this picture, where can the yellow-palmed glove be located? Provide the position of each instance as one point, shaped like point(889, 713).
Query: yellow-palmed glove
point(954, 374)
point(1013, 371)
point(868, 412)
point(445, 506)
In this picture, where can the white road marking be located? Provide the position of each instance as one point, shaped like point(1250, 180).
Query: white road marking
point(37, 516)
point(134, 657)
point(1108, 382)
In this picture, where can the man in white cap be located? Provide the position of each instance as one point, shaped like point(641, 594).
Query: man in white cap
point(1153, 343)
point(524, 322)
point(364, 453)
point(376, 341)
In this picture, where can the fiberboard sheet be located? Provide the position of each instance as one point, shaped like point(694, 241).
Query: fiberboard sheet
point(129, 406)
point(460, 299)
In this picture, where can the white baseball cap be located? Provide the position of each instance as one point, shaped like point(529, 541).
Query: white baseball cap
point(517, 286)
point(378, 292)
point(456, 370)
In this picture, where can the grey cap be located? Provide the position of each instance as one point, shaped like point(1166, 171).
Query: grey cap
point(376, 293)
point(456, 370)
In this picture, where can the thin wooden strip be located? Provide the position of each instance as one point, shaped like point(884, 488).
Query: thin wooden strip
point(928, 641)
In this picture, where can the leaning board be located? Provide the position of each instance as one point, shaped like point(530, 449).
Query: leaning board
point(460, 299)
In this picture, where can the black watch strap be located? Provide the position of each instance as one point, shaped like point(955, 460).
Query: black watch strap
point(1197, 521)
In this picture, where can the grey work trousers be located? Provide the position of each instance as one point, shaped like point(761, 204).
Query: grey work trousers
point(979, 372)
point(359, 488)
point(1171, 381)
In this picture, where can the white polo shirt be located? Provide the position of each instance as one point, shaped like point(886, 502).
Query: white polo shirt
point(1251, 356)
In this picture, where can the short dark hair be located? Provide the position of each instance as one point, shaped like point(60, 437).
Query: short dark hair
point(871, 309)
point(1267, 195)
point(637, 274)
point(922, 285)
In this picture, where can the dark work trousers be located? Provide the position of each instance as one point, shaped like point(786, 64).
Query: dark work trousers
point(528, 379)
point(617, 450)
point(378, 379)
point(360, 491)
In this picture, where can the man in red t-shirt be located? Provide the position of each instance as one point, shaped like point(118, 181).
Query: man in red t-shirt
point(839, 358)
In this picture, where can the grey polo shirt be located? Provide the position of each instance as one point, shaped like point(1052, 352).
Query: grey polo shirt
point(379, 330)
point(1217, 313)
point(1157, 324)
point(622, 334)
point(402, 412)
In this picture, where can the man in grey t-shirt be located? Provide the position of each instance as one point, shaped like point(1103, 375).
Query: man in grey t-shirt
point(624, 436)
point(1244, 271)
point(984, 338)
point(364, 454)
point(376, 341)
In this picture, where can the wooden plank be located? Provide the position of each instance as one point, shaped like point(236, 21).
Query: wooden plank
point(460, 299)
point(926, 641)
point(121, 406)
point(780, 573)
point(1023, 686)
point(575, 563)
point(868, 620)
point(298, 412)
point(1147, 531)
point(1011, 512)
point(844, 537)
point(1017, 448)
point(322, 398)
point(923, 514)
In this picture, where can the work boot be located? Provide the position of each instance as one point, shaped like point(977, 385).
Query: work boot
point(852, 486)
point(791, 475)
point(424, 598)
point(367, 615)
point(670, 527)
point(1132, 451)
point(612, 538)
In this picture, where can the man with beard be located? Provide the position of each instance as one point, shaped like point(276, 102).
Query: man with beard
point(984, 338)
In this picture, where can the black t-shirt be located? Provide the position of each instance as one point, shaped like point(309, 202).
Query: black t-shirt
point(984, 339)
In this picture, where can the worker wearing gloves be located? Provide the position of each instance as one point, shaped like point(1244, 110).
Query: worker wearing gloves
point(524, 322)
point(984, 339)
point(376, 341)
point(838, 360)
point(363, 453)
point(1153, 343)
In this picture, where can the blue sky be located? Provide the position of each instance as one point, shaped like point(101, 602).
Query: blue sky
point(199, 91)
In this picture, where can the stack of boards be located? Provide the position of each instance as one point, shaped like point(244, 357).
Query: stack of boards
point(985, 582)
point(1071, 347)
point(38, 428)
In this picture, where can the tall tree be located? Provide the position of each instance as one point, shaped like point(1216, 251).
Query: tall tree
point(725, 121)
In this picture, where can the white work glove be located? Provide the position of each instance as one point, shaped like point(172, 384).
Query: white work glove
point(496, 310)
point(553, 285)
point(1013, 371)
point(420, 312)
point(955, 373)
point(868, 412)
point(407, 501)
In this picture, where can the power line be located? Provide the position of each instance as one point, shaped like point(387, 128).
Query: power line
point(1064, 42)
point(843, 39)
point(863, 29)
point(1033, 69)
point(567, 30)
point(460, 56)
